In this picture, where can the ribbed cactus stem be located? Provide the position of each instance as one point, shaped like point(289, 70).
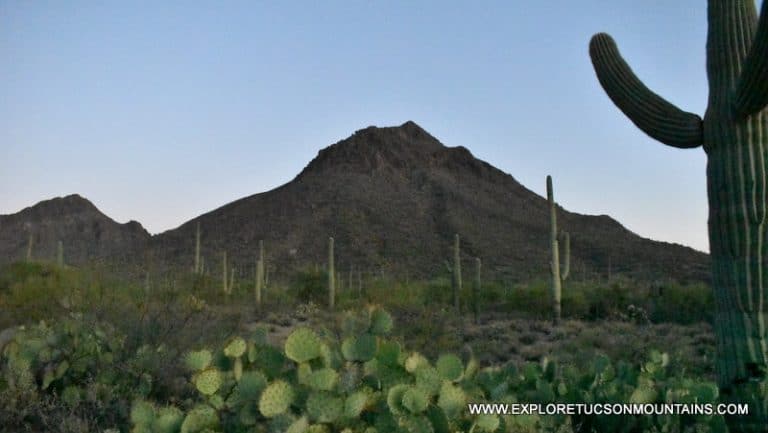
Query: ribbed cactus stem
point(29, 247)
point(259, 274)
point(359, 284)
point(476, 289)
point(734, 135)
point(197, 249)
point(554, 263)
point(752, 90)
point(231, 284)
point(331, 276)
point(456, 268)
point(60, 254)
point(647, 110)
point(566, 271)
point(224, 272)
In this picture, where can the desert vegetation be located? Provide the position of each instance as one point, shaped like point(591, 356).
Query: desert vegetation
point(190, 349)
point(94, 353)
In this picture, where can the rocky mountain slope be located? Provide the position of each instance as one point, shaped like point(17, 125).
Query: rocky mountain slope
point(392, 198)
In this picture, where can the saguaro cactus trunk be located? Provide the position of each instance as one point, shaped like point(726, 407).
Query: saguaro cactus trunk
point(331, 276)
point(734, 135)
point(29, 247)
point(197, 270)
point(476, 290)
point(60, 254)
point(231, 280)
point(558, 276)
point(224, 273)
point(456, 281)
point(259, 274)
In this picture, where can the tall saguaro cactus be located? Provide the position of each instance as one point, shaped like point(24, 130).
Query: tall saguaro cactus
point(60, 254)
point(331, 276)
point(476, 289)
point(231, 280)
point(197, 250)
point(29, 247)
point(734, 135)
point(456, 268)
point(259, 274)
point(558, 276)
point(225, 287)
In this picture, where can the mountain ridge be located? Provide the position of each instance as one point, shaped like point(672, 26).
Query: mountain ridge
point(392, 197)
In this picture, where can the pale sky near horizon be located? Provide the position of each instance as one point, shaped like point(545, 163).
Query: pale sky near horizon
point(161, 112)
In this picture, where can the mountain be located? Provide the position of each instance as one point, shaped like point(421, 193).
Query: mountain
point(392, 198)
point(85, 233)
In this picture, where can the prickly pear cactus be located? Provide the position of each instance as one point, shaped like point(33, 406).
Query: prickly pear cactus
point(734, 135)
point(318, 385)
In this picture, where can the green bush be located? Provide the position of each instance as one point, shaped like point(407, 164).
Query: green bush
point(73, 369)
point(310, 285)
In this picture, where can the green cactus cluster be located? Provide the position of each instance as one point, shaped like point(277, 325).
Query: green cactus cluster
point(362, 381)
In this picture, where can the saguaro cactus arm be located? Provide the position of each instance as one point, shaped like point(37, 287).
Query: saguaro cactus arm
point(651, 113)
point(752, 90)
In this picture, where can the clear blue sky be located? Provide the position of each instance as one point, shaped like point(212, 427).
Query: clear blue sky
point(161, 112)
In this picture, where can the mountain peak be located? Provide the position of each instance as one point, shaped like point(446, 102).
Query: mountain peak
point(69, 204)
point(83, 230)
point(409, 129)
point(374, 148)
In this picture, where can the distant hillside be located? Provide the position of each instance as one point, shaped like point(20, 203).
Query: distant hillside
point(85, 232)
point(392, 198)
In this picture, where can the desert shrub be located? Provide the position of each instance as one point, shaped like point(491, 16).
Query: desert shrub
point(34, 291)
point(310, 285)
point(70, 375)
point(618, 299)
point(533, 299)
point(682, 303)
